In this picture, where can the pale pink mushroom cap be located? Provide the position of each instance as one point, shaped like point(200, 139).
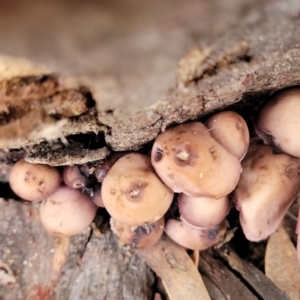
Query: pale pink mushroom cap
point(268, 185)
point(190, 161)
point(278, 122)
point(67, 212)
point(33, 182)
point(73, 178)
point(133, 194)
point(231, 131)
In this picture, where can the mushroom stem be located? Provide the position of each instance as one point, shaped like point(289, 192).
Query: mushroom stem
point(138, 236)
point(194, 238)
point(203, 212)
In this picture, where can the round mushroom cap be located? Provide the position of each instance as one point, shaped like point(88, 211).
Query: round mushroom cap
point(138, 236)
point(194, 238)
point(268, 185)
point(133, 194)
point(67, 212)
point(189, 160)
point(278, 122)
point(231, 131)
point(73, 178)
point(203, 212)
point(33, 182)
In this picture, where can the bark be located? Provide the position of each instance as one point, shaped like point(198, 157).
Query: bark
point(95, 77)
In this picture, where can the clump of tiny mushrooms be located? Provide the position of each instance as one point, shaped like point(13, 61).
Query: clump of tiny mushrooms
point(209, 166)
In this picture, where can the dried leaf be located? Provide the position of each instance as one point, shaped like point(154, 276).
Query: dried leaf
point(281, 264)
point(179, 274)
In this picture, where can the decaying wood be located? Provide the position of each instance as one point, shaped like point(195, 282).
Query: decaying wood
point(33, 265)
point(228, 284)
point(262, 285)
point(179, 274)
point(281, 265)
point(197, 57)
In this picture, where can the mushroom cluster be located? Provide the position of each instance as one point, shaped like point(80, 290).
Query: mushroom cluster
point(202, 164)
point(208, 166)
point(64, 210)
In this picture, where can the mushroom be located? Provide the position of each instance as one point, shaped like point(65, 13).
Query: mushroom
point(133, 194)
point(194, 238)
point(278, 122)
point(268, 185)
point(97, 197)
point(67, 212)
point(33, 182)
point(189, 160)
point(231, 131)
point(73, 178)
point(103, 167)
point(138, 236)
point(203, 212)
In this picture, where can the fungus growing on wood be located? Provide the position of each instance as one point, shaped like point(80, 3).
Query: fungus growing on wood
point(33, 182)
point(133, 194)
point(97, 196)
point(278, 122)
point(73, 178)
point(269, 183)
point(67, 212)
point(189, 160)
point(138, 236)
point(194, 238)
point(231, 131)
point(203, 212)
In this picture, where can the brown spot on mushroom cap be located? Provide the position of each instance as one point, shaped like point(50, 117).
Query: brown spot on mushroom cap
point(267, 187)
point(67, 212)
point(278, 122)
point(73, 178)
point(231, 131)
point(138, 236)
point(133, 194)
point(205, 169)
point(33, 182)
point(203, 212)
point(194, 238)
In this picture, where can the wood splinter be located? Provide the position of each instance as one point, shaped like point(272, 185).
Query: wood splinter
point(173, 265)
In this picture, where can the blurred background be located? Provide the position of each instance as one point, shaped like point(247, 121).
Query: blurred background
point(133, 41)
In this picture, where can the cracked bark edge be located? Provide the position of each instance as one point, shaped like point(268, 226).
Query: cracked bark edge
point(179, 274)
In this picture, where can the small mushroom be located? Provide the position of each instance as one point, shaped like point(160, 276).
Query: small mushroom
point(133, 194)
point(103, 168)
point(278, 122)
point(97, 196)
point(138, 236)
point(73, 178)
point(67, 212)
point(231, 131)
point(33, 182)
point(268, 185)
point(203, 212)
point(189, 160)
point(194, 238)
